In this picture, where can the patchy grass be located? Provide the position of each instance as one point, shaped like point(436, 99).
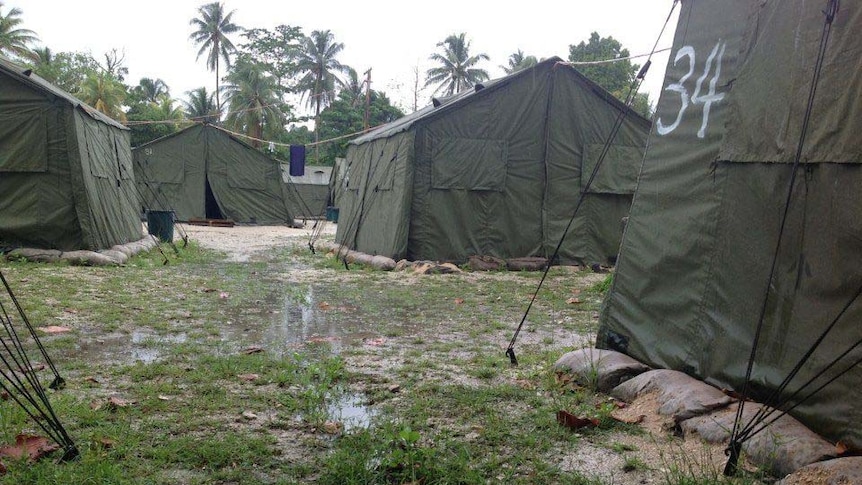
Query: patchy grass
point(237, 373)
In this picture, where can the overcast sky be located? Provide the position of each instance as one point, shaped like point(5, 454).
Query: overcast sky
point(391, 37)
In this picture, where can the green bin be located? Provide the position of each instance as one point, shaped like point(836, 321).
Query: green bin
point(331, 213)
point(161, 224)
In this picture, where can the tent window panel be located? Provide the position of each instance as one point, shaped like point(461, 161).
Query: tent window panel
point(124, 159)
point(23, 141)
point(161, 165)
point(618, 173)
point(101, 151)
point(469, 164)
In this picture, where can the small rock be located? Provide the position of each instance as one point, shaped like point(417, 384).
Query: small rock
point(394, 388)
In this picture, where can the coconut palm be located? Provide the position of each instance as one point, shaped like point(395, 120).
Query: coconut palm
point(457, 69)
point(13, 39)
point(317, 64)
point(104, 93)
point(254, 102)
point(518, 61)
point(213, 27)
point(42, 58)
point(352, 88)
point(151, 90)
point(201, 106)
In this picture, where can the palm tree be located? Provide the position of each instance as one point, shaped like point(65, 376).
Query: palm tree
point(150, 90)
point(201, 106)
point(14, 40)
point(457, 69)
point(213, 26)
point(317, 64)
point(518, 61)
point(254, 101)
point(352, 88)
point(42, 58)
point(104, 93)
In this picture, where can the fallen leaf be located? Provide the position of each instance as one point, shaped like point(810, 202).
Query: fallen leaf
point(91, 379)
point(573, 301)
point(52, 329)
point(332, 427)
point(162, 397)
point(70, 310)
point(525, 384)
point(459, 301)
point(32, 447)
point(96, 405)
point(4, 395)
point(374, 341)
point(106, 443)
point(249, 415)
point(248, 377)
point(323, 305)
point(841, 448)
point(571, 421)
point(252, 350)
point(34, 367)
point(115, 402)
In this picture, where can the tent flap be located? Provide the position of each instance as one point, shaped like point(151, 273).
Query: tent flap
point(23, 140)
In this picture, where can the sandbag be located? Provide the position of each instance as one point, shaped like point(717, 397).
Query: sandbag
point(87, 258)
point(118, 257)
point(526, 264)
point(485, 263)
point(35, 255)
point(382, 262)
point(605, 369)
point(782, 448)
point(681, 396)
point(840, 471)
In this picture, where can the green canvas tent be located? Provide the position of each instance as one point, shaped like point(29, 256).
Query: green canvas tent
point(308, 194)
point(495, 170)
point(205, 172)
point(66, 179)
point(704, 224)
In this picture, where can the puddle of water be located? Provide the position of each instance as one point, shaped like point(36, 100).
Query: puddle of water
point(351, 411)
point(142, 345)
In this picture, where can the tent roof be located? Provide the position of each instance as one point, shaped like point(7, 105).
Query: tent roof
point(444, 105)
point(28, 77)
point(212, 126)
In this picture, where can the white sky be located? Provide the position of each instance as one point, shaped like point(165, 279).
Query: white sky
point(391, 37)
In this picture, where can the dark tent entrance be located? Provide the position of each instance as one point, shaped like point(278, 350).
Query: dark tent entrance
point(213, 211)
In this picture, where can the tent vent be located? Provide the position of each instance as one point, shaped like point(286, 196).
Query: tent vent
point(478, 87)
point(436, 102)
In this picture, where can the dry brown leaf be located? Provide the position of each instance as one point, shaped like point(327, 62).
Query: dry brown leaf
point(252, 350)
point(31, 447)
point(573, 422)
point(248, 377)
point(841, 448)
point(106, 443)
point(91, 379)
point(162, 397)
point(459, 301)
point(96, 405)
point(249, 415)
point(115, 402)
point(70, 310)
point(53, 329)
point(629, 419)
point(573, 301)
point(332, 427)
point(4, 395)
point(323, 305)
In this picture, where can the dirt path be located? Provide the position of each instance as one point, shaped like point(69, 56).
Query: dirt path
point(241, 243)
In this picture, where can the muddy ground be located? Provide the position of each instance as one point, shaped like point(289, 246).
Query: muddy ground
point(381, 349)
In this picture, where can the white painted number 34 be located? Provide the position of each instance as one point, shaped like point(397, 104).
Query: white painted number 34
point(696, 97)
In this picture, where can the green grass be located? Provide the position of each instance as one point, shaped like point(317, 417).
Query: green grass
point(424, 355)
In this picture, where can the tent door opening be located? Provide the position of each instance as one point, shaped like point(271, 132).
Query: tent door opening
point(212, 208)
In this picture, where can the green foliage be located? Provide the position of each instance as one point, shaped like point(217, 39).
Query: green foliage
point(345, 116)
point(15, 40)
point(66, 70)
point(457, 69)
point(254, 103)
point(276, 49)
point(201, 106)
point(519, 61)
point(161, 110)
point(105, 93)
point(213, 27)
point(615, 77)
